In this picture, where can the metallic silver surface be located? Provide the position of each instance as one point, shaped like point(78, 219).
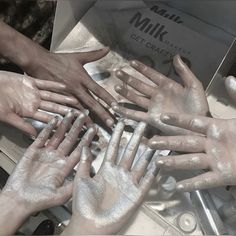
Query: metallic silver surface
point(207, 214)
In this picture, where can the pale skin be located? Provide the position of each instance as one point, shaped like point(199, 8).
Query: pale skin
point(213, 151)
point(39, 180)
point(22, 96)
point(230, 85)
point(103, 204)
point(165, 95)
point(64, 68)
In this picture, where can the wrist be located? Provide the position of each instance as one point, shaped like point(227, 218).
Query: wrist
point(75, 227)
point(15, 203)
point(13, 213)
point(35, 60)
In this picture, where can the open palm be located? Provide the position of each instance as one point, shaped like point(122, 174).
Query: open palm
point(103, 204)
point(165, 95)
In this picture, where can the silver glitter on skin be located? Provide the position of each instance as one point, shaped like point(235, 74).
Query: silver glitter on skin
point(216, 151)
point(103, 204)
point(39, 180)
point(164, 96)
point(22, 96)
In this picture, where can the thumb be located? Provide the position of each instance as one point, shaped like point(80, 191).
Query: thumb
point(21, 124)
point(86, 57)
point(85, 163)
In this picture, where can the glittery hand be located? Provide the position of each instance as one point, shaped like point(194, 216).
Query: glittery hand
point(21, 97)
point(39, 179)
point(104, 203)
point(165, 95)
point(213, 151)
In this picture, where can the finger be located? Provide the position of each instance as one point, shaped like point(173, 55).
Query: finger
point(184, 162)
point(132, 96)
point(54, 108)
point(150, 73)
point(85, 164)
point(230, 85)
point(96, 107)
point(72, 136)
point(140, 167)
point(114, 143)
point(50, 85)
point(45, 133)
point(140, 86)
point(86, 57)
point(203, 181)
point(42, 116)
point(61, 131)
point(178, 143)
point(149, 177)
point(64, 193)
point(58, 98)
point(194, 123)
point(85, 142)
point(131, 114)
point(132, 146)
point(79, 106)
point(185, 73)
point(97, 89)
point(21, 124)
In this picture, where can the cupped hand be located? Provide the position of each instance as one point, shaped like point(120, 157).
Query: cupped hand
point(165, 95)
point(39, 180)
point(24, 97)
point(213, 151)
point(68, 68)
point(104, 203)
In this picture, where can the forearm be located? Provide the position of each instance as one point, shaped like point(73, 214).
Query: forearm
point(12, 215)
point(17, 48)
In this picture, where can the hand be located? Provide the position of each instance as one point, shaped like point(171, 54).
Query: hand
point(104, 203)
point(230, 85)
point(39, 180)
point(68, 69)
point(21, 97)
point(214, 151)
point(165, 95)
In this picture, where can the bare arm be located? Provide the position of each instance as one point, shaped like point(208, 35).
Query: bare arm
point(66, 68)
point(17, 48)
point(13, 210)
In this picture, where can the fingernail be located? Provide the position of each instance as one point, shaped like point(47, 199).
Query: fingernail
point(86, 112)
point(134, 63)
point(109, 122)
point(165, 117)
point(160, 163)
point(114, 106)
point(157, 142)
point(180, 61)
point(118, 88)
point(70, 113)
point(119, 73)
point(93, 127)
point(180, 187)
